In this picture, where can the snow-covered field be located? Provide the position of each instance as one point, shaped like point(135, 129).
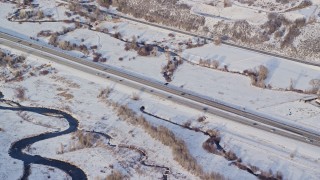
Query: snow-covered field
point(295, 160)
point(45, 172)
point(76, 92)
point(13, 129)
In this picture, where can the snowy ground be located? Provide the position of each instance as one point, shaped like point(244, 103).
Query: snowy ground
point(294, 159)
point(45, 172)
point(14, 128)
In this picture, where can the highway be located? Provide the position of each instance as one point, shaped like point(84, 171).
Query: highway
point(170, 92)
point(210, 38)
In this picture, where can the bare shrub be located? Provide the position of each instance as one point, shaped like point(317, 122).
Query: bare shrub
point(303, 4)
point(135, 97)
point(104, 93)
point(44, 72)
point(275, 21)
point(231, 156)
point(300, 22)
point(217, 41)
point(215, 64)
point(61, 149)
point(288, 39)
point(2, 54)
point(315, 83)
point(20, 93)
point(210, 146)
point(126, 113)
point(171, 35)
point(213, 133)
point(227, 3)
point(80, 140)
point(85, 139)
point(278, 34)
point(279, 175)
point(143, 51)
point(84, 49)
point(65, 45)
point(127, 47)
point(66, 95)
point(187, 124)
point(266, 175)
point(44, 33)
point(205, 63)
point(96, 57)
point(171, 67)
point(262, 73)
point(201, 118)
point(312, 19)
point(117, 35)
point(94, 47)
point(225, 68)
point(103, 59)
point(257, 77)
point(53, 39)
point(40, 14)
point(115, 175)
point(133, 44)
point(22, 14)
point(105, 3)
point(72, 6)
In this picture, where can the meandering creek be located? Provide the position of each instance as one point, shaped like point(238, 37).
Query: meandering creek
point(16, 149)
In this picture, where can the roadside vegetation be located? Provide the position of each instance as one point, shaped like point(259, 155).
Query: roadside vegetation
point(13, 68)
point(258, 76)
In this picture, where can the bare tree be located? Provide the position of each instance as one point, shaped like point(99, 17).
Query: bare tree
point(40, 14)
point(315, 83)
point(53, 39)
point(263, 73)
point(167, 55)
point(217, 41)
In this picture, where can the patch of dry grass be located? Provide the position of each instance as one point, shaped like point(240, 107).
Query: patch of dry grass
point(65, 81)
point(80, 140)
point(104, 93)
point(179, 148)
point(66, 95)
point(115, 175)
point(258, 76)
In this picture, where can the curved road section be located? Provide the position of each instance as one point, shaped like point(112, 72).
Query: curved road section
point(16, 150)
